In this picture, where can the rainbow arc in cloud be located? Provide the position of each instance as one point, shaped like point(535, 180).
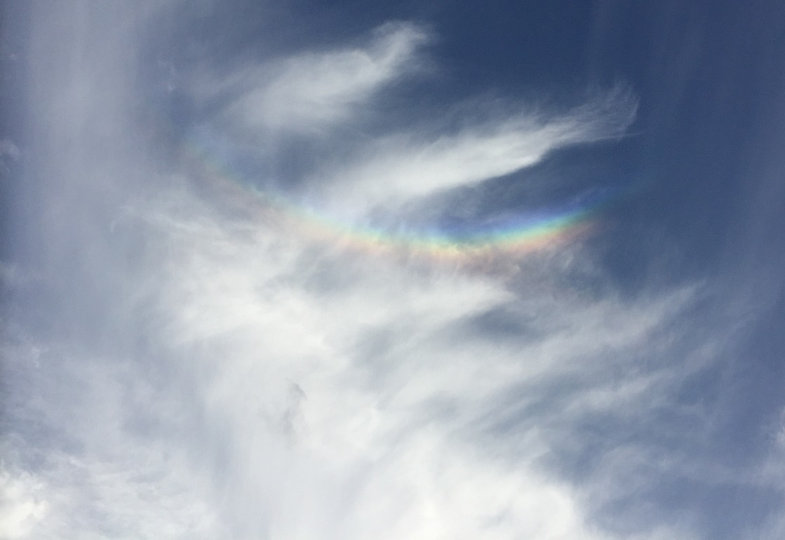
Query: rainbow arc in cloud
point(475, 243)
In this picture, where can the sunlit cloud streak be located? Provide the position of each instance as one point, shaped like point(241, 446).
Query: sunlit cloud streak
point(406, 167)
point(311, 92)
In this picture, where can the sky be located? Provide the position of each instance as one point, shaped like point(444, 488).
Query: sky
point(424, 270)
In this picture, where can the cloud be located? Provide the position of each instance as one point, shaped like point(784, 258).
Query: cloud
point(397, 411)
point(20, 505)
point(310, 92)
point(8, 148)
point(191, 366)
point(407, 167)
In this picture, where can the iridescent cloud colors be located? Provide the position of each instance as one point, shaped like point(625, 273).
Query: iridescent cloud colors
point(469, 243)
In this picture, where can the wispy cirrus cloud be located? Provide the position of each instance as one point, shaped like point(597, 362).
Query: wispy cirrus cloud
point(385, 414)
point(313, 91)
point(195, 367)
point(407, 167)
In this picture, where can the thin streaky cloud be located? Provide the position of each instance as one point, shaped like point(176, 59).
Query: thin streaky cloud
point(314, 91)
point(407, 168)
point(182, 360)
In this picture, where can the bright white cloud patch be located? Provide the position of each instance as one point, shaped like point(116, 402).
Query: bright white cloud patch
point(210, 373)
point(21, 507)
point(313, 91)
point(407, 167)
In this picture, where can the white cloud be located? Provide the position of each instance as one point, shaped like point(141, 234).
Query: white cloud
point(21, 506)
point(213, 373)
point(407, 166)
point(310, 92)
point(313, 91)
point(364, 403)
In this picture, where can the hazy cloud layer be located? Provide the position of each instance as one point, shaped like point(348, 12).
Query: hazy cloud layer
point(180, 362)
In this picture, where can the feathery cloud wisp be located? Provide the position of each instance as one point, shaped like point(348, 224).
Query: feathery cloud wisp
point(193, 368)
point(313, 91)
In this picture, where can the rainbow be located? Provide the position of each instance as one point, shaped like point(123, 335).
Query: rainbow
point(478, 244)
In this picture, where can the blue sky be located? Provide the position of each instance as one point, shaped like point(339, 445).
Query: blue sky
point(297, 270)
